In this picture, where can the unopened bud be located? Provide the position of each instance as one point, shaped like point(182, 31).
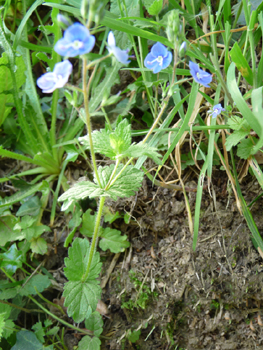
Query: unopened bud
point(183, 49)
point(63, 21)
point(174, 30)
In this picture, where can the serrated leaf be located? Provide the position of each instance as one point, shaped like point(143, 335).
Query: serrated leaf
point(9, 293)
point(26, 340)
point(7, 232)
point(2, 324)
point(113, 240)
point(77, 261)
point(31, 207)
point(81, 297)
point(235, 138)
point(120, 139)
point(111, 144)
point(39, 331)
point(245, 148)
point(88, 343)
point(11, 260)
point(143, 149)
point(237, 123)
point(81, 190)
point(38, 246)
point(155, 8)
point(41, 282)
point(126, 184)
point(94, 323)
point(8, 329)
point(88, 224)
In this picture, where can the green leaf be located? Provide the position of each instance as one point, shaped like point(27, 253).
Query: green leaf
point(113, 240)
point(88, 343)
point(94, 323)
point(39, 331)
point(103, 89)
point(41, 282)
point(241, 63)
point(39, 246)
point(237, 123)
point(11, 259)
point(125, 185)
point(7, 232)
point(19, 196)
point(241, 103)
point(134, 336)
point(88, 224)
point(35, 231)
point(26, 340)
point(81, 297)
point(2, 324)
point(153, 7)
point(120, 139)
point(235, 138)
point(245, 148)
point(31, 207)
point(77, 261)
point(143, 149)
point(130, 8)
point(8, 329)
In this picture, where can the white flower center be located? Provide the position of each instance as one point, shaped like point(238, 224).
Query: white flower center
point(216, 110)
point(77, 44)
point(159, 59)
point(198, 75)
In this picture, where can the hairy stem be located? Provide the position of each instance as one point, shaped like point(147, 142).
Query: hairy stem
point(95, 238)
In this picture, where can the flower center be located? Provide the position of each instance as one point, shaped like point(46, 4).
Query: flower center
point(159, 59)
point(216, 110)
point(198, 75)
point(77, 44)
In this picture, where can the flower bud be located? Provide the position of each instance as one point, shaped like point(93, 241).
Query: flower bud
point(63, 21)
point(92, 10)
point(183, 49)
point(174, 30)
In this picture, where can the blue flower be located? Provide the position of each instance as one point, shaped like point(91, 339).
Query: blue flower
point(217, 109)
point(51, 81)
point(76, 41)
point(158, 59)
point(199, 75)
point(121, 55)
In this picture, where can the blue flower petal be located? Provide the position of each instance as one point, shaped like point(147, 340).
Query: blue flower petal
point(58, 78)
point(121, 55)
point(159, 49)
point(76, 41)
point(167, 60)
point(199, 75)
point(47, 82)
point(149, 61)
point(158, 59)
point(76, 31)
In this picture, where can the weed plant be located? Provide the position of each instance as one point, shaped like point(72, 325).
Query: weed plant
point(196, 74)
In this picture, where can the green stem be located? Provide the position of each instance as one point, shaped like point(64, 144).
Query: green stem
point(94, 63)
point(95, 238)
point(88, 121)
point(165, 102)
point(57, 318)
point(112, 175)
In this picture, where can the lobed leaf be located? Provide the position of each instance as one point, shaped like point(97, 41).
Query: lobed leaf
point(113, 240)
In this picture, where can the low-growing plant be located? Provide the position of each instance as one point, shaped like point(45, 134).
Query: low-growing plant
point(33, 134)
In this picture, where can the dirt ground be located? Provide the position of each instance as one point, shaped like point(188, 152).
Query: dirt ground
point(207, 299)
